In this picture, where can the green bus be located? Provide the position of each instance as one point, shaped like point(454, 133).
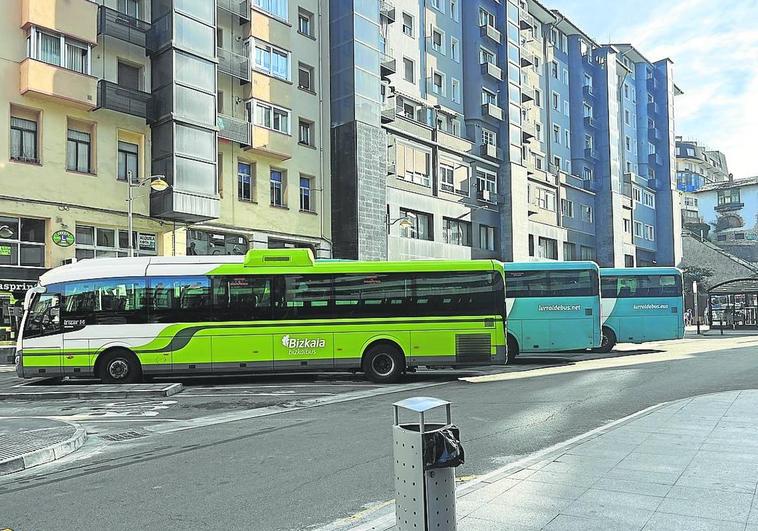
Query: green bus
point(271, 310)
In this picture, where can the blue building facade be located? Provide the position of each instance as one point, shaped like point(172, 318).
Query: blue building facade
point(561, 148)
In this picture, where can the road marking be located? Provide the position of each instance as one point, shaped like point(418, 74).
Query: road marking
point(223, 418)
point(687, 351)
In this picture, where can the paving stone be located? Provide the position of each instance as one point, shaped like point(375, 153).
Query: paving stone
point(665, 478)
point(707, 503)
point(565, 522)
point(633, 487)
point(617, 515)
point(608, 497)
point(576, 479)
point(677, 522)
point(531, 488)
point(527, 512)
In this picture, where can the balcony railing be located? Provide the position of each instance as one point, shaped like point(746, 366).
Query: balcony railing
point(118, 98)
point(121, 26)
point(492, 70)
point(589, 121)
point(233, 64)
point(234, 129)
point(527, 60)
point(387, 64)
point(492, 110)
point(486, 30)
point(527, 94)
point(387, 10)
point(652, 107)
point(490, 151)
point(389, 111)
point(240, 8)
point(526, 22)
point(588, 92)
point(591, 153)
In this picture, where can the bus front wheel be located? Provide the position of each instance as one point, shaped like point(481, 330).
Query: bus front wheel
point(119, 366)
point(383, 363)
point(607, 342)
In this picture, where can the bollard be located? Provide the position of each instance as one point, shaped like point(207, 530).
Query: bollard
point(425, 456)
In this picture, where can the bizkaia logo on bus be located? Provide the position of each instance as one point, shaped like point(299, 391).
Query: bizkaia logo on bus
point(303, 346)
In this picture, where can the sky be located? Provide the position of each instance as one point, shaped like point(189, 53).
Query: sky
point(714, 47)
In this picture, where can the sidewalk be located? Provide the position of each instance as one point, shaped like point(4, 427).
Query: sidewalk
point(30, 441)
point(686, 465)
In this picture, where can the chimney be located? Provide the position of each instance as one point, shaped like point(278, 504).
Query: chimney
point(731, 177)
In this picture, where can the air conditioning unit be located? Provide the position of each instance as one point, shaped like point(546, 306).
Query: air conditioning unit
point(485, 195)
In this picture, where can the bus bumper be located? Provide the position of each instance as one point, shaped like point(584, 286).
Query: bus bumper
point(500, 357)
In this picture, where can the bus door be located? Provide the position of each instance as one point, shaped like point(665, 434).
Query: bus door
point(243, 340)
point(42, 340)
point(299, 297)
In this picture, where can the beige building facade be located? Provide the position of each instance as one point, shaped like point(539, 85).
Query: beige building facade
point(87, 100)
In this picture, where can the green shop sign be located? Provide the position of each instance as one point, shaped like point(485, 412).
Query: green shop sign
point(63, 238)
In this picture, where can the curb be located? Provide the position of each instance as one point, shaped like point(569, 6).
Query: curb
point(382, 517)
point(45, 455)
point(41, 393)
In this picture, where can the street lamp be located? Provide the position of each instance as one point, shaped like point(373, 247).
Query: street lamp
point(156, 182)
point(404, 222)
point(6, 231)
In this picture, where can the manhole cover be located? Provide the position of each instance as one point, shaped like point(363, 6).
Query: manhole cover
point(123, 436)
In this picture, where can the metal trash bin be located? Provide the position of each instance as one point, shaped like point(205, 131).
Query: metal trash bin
point(425, 456)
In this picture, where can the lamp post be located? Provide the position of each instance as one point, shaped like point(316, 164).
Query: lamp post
point(697, 312)
point(157, 183)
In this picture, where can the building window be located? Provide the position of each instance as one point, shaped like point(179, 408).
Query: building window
point(650, 233)
point(489, 97)
point(726, 197)
point(306, 187)
point(216, 243)
point(569, 251)
point(272, 60)
point(538, 130)
point(421, 225)
point(544, 199)
point(486, 56)
point(23, 140)
point(130, 8)
point(565, 77)
point(128, 161)
point(455, 88)
point(305, 77)
point(438, 41)
point(556, 101)
point(648, 199)
point(277, 188)
point(637, 194)
point(455, 49)
point(457, 232)
point(554, 69)
point(567, 208)
point(271, 117)
point(244, 181)
point(305, 132)
point(75, 56)
point(587, 111)
point(447, 178)
point(626, 90)
point(547, 248)
point(486, 237)
point(22, 242)
point(486, 18)
point(305, 22)
point(587, 214)
point(102, 242)
point(566, 108)
point(538, 98)
point(438, 5)
point(638, 229)
point(409, 70)
point(556, 133)
point(489, 138)
point(438, 83)
point(628, 143)
point(567, 138)
point(408, 24)
point(627, 225)
point(586, 253)
point(486, 185)
point(588, 82)
point(128, 76)
point(78, 151)
point(412, 164)
point(454, 13)
point(626, 117)
point(277, 8)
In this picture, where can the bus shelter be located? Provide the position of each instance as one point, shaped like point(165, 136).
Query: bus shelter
point(733, 304)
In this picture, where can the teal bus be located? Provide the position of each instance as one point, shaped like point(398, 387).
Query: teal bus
point(270, 310)
point(640, 304)
point(552, 306)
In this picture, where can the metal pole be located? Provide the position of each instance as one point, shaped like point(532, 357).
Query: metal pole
point(129, 213)
point(697, 313)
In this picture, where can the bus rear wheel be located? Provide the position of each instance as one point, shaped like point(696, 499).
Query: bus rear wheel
point(512, 349)
point(119, 366)
point(383, 363)
point(607, 342)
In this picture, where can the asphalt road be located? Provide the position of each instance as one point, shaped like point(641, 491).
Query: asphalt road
point(304, 460)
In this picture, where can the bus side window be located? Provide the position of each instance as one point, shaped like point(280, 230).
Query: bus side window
point(179, 299)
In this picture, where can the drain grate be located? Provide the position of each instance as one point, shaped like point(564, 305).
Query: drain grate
point(123, 436)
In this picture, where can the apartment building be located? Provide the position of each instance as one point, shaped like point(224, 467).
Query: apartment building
point(560, 147)
point(696, 167)
point(222, 99)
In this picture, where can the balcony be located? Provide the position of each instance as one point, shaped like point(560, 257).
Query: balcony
point(590, 122)
point(234, 129)
point(486, 196)
point(233, 64)
point(492, 110)
point(387, 64)
point(271, 143)
point(626, 185)
point(588, 92)
point(588, 60)
point(387, 11)
point(77, 18)
point(652, 108)
point(526, 22)
point(123, 27)
point(591, 154)
point(389, 111)
point(655, 134)
point(122, 99)
point(528, 129)
point(492, 70)
point(491, 151)
point(654, 183)
point(56, 82)
point(729, 206)
point(655, 158)
point(239, 8)
point(527, 60)
point(527, 94)
point(485, 30)
point(593, 185)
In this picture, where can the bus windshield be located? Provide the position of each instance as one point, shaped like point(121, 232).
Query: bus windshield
point(43, 316)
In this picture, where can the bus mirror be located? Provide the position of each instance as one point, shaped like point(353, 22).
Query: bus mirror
point(55, 315)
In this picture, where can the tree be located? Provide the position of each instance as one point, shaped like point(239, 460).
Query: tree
point(696, 274)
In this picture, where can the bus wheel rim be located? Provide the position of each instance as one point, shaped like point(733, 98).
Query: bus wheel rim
point(383, 364)
point(118, 369)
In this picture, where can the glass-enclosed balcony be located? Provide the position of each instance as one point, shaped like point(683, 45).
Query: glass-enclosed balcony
point(122, 99)
point(240, 8)
point(234, 129)
point(121, 26)
point(233, 64)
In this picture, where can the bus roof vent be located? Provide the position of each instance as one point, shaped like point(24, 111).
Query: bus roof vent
point(279, 258)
